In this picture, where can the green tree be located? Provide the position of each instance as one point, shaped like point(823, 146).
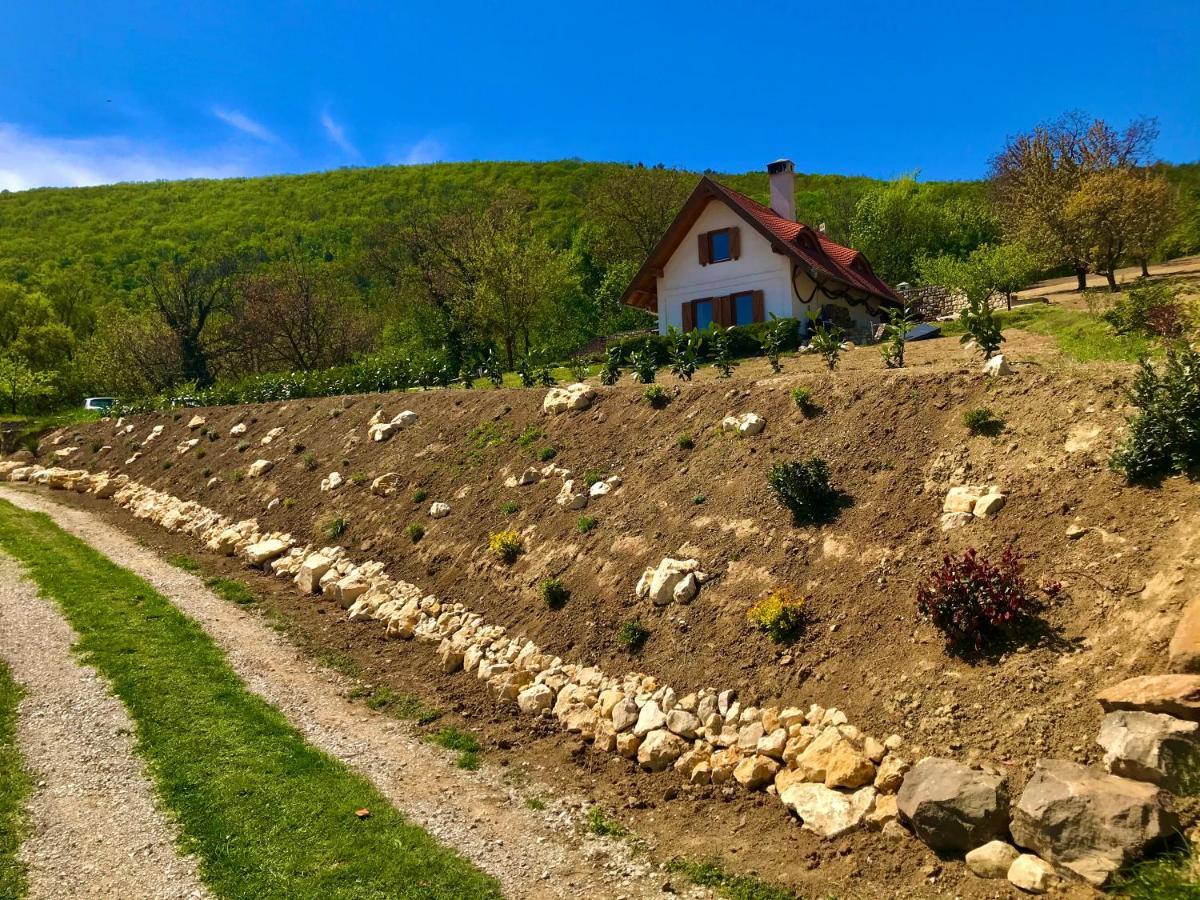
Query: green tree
point(21, 386)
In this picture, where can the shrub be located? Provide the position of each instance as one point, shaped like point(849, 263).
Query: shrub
point(802, 486)
point(419, 495)
point(359, 478)
point(166, 464)
point(632, 635)
point(610, 373)
point(803, 399)
point(333, 528)
point(206, 472)
point(200, 453)
point(587, 523)
point(509, 507)
point(900, 322)
point(1164, 436)
point(547, 453)
point(720, 350)
point(644, 366)
point(505, 545)
point(555, 593)
point(976, 603)
point(415, 532)
point(578, 368)
point(775, 338)
point(243, 446)
point(655, 396)
point(826, 341)
point(1150, 309)
point(591, 476)
point(685, 442)
point(310, 462)
point(698, 499)
point(237, 476)
point(982, 420)
point(683, 353)
point(528, 436)
point(780, 615)
point(981, 325)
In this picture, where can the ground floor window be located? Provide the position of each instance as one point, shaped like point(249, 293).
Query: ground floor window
point(743, 308)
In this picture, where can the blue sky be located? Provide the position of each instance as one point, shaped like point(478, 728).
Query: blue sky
point(98, 92)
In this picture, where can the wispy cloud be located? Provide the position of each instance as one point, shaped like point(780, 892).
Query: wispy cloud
point(28, 160)
point(245, 124)
point(337, 134)
point(426, 150)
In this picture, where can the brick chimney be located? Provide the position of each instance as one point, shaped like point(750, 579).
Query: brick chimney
point(783, 188)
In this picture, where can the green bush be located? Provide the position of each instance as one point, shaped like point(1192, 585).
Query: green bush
point(780, 615)
point(685, 442)
point(1164, 436)
point(632, 635)
point(505, 545)
point(333, 528)
point(547, 453)
point(419, 495)
point(982, 420)
point(1148, 308)
point(644, 366)
point(744, 340)
point(509, 507)
point(555, 593)
point(415, 532)
point(803, 399)
point(802, 486)
point(656, 396)
point(587, 523)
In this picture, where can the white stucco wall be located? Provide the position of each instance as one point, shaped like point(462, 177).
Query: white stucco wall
point(758, 268)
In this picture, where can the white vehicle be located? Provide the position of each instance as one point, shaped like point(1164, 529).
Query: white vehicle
point(99, 404)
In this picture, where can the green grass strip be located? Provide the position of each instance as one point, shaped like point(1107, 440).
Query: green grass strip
point(14, 788)
point(266, 814)
point(1078, 334)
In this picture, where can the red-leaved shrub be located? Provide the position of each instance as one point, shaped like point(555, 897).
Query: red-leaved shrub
point(977, 603)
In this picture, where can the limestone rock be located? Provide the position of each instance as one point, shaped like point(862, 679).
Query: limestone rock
point(1032, 874)
point(953, 807)
point(755, 772)
point(660, 749)
point(439, 510)
point(1185, 643)
point(239, 428)
point(660, 586)
point(195, 422)
point(571, 397)
point(992, 860)
point(405, 419)
point(828, 812)
point(890, 774)
point(683, 723)
point(308, 578)
point(259, 467)
point(996, 366)
point(380, 431)
point(884, 813)
point(571, 499)
point(261, 553)
point(1088, 822)
point(989, 504)
point(846, 767)
point(332, 482)
point(535, 699)
point(1172, 695)
point(1152, 747)
point(651, 718)
point(386, 485)
point(625, 714)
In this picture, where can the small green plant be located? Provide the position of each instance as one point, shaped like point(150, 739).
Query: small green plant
point(237, 476)
point(415, 532)
point(685, 349)
point(699, 499)
point(685, 442)
point(825, 340)
point(780, 615)
point(981, 325)
point(632, 635)
point(578, 368)
point(901, 321)
point(982, 421)
point(166, 464)
point(656, 396)
point(419, 495)
point(232, 590)
point(802, 487)
point(547, 453)
point(644, 365)
point(555, 593)
point(774, 340)
point(712, 873)
point(510, 507)
point(610, 372)
point(310, 462)
point(528, 436)
point(185, 562)
point(803, 399)
point(591, 476)
point(206, 472)
point(486, 434)
point(463, 742)
point(243, 446)
point(358, 478)
point(719, 350)
point(333, 528)
point(288, 502)
point(599, 824)
point(535, 803)
point(587, 523)
point(200, 453)
point(1164, 435)
point(505, 545)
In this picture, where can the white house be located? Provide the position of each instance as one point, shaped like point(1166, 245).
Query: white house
point(729, 259)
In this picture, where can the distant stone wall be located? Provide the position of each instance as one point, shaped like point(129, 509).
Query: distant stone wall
point(934, 301)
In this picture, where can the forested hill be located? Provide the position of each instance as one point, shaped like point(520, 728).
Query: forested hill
point(113, 226)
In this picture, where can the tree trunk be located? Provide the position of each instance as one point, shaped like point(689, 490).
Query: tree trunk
point(1145, 267)
point(1111, 275)
point(509, 344)
point(1008, 300)
point(1081, 275)
point(195, 363)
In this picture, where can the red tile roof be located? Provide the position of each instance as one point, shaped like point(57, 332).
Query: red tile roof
point(827, 257)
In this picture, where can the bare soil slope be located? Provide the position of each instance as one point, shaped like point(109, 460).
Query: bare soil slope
point(895, 443)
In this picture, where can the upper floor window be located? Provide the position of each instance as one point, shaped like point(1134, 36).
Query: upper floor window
point(720, 245)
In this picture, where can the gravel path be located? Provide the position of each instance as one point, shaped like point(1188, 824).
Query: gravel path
point(534, 854)
point(96, 829)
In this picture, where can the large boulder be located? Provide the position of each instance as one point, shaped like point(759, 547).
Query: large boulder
point(1151, 747)
point(659, 749)
point(660, 584)
point(1172, 695)
point(1088, 822)
point(953, 807)
point(828, 812)
point(573, 396)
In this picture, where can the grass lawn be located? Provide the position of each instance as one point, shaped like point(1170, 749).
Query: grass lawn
point(266, 814)
point(1079, 335)
point(14, 787)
